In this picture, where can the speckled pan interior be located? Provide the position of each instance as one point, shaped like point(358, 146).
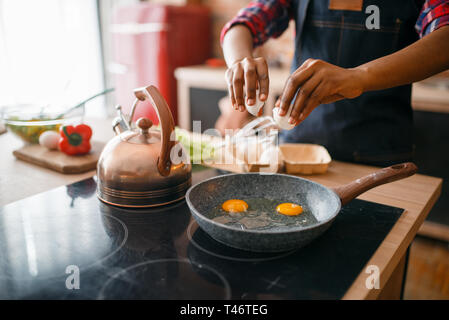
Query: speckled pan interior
point(323, 203)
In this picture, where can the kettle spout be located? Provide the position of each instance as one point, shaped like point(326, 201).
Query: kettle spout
point(120, 124)
point(117, 126)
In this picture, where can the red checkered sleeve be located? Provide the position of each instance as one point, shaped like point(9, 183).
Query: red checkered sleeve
point(264, 18)
point(434, 15)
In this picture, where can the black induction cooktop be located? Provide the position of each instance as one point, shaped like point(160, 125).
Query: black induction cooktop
point(66, 244)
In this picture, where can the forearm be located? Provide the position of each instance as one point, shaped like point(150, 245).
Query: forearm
point(420, 60)
point(237, 44)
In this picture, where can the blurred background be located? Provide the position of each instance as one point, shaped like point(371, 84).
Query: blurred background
point(59, 52)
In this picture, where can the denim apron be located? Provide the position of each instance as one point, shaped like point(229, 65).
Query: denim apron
point(375, 128)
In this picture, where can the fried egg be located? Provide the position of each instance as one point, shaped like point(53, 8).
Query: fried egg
point(234, 205)
point(289, 209)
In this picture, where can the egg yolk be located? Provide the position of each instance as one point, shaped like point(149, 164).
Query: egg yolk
point(289, 209)
point(234, 205)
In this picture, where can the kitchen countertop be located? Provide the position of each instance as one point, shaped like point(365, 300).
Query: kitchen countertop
point(416, 195)
point(20, 179)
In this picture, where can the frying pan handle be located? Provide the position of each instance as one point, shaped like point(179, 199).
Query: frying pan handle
point(355, 188)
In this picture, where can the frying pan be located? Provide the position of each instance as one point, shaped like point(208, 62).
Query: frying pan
point(324, 203)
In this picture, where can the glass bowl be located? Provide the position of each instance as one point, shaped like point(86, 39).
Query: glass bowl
point(29, 121)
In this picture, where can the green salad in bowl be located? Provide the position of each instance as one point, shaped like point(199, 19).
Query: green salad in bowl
point(29, 121)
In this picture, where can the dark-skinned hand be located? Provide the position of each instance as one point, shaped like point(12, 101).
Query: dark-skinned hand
point(248, 75)
point(317, 82)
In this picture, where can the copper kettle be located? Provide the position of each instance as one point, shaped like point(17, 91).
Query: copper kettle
point(140, 167)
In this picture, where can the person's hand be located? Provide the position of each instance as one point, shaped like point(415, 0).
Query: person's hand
point(247, 75)
point(317, 82)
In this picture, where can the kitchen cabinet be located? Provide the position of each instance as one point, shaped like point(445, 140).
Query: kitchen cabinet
point(431, 137)
point(204, 108)
point(430, 100)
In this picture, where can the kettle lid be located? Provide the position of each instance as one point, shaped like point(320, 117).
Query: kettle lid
point(142, 134)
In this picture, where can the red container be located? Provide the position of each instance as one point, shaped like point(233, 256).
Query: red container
point(149, 42)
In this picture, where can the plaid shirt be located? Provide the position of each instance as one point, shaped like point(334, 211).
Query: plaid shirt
point(269, 18)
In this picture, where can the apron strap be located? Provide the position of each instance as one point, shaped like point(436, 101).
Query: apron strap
point(301, 17)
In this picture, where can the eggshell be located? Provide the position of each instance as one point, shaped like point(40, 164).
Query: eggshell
point(282, 122)
point(49, 139)
point(255, 108)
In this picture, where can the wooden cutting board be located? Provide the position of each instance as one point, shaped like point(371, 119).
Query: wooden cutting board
point(59, 161)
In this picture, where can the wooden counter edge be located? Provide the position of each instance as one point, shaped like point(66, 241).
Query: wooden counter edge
point(392, 256)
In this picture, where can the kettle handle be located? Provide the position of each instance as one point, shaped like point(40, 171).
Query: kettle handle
point(166, 121)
